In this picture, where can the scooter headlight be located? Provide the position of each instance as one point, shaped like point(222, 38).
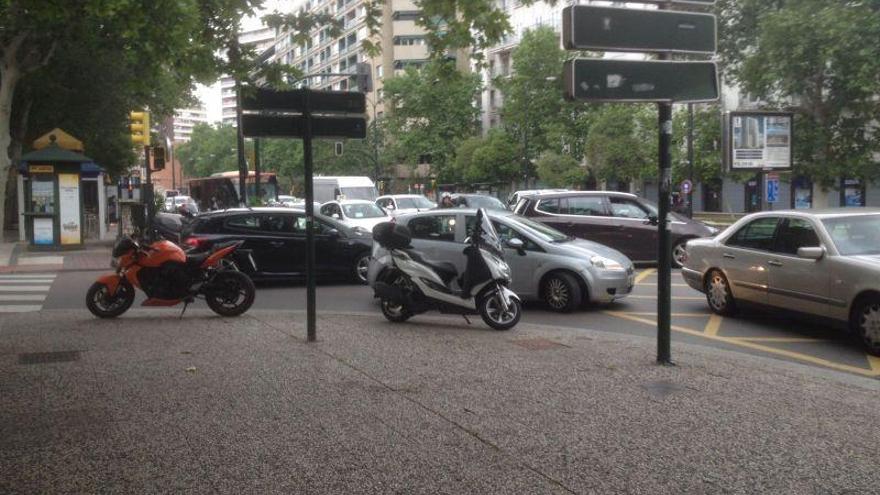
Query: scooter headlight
point(505, 269)
point(604, 263)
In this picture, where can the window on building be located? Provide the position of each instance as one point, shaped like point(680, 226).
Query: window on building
point(406, 15)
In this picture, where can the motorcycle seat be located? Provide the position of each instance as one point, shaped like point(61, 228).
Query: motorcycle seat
point(445, 269)
point(196, 259)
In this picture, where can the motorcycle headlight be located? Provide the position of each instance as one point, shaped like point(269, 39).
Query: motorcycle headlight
point(604, 263)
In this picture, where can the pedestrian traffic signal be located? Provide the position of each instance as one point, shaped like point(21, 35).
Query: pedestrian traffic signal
point(364, 77)
point(158, 158)
point(140, 128)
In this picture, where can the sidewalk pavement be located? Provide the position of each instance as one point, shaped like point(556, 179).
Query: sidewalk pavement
point(153, 403)
point(16, 258)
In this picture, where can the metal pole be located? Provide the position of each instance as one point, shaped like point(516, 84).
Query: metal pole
point(690, 158)
point(664, 249)
point(147, 190)
point(310, 218)
point(257, 168)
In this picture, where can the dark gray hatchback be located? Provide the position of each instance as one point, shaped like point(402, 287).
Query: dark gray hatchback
point(618, 220)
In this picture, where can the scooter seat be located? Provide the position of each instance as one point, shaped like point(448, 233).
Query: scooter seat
point(445, 269)
point(196, 259)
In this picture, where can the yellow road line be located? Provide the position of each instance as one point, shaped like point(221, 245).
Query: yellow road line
point(644, 274)
point(758, 347)
point(780, 339)
point(655, 283)
point(680, 315)
point(874, 362)
point(713, 325)
point(676, 298)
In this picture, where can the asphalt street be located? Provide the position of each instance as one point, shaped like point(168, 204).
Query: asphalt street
point(751, 332)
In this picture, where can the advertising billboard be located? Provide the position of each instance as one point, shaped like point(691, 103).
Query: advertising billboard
point(758, 140)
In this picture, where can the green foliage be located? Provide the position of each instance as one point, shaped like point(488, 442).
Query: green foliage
point(430, 111)
point(559, 170)
point(495, 158)
point(707, 143)
point(534, 110)
point(622, 142)
point(210, 150)
point(820, 59)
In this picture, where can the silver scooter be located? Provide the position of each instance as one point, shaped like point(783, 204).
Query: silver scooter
point(415, 285)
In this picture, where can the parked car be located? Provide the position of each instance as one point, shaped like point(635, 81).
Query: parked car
point(355, 213)
point(619, 220)
point(514, 197)
point(399, 204)
point(276, 239)
point(478, 201)
point(821, 263)
point(562, 271)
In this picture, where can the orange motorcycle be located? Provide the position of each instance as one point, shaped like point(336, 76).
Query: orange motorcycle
point(169, 276)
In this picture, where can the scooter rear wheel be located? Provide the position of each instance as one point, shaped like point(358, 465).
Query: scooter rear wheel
point(103, 305)
point(494, 315)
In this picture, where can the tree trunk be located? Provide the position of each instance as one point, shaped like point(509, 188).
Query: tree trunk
point(8, 79)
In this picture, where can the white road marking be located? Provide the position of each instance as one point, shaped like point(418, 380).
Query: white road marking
point(28, 281)
point(16, 276)
point(22, 297)
point(20, 308)
point(19, 288)
point(26, 288)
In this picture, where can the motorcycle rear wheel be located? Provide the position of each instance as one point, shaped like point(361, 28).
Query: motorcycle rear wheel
point(231, 293)
point(103, 305)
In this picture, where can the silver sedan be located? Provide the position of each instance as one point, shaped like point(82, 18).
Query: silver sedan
point(549, 265)
point(820, 263)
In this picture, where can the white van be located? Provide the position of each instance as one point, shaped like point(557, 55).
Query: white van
point(333, 188)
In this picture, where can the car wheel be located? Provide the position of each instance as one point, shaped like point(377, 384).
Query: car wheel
point(866, 323)
point(561, 292)
point(679, 253)
point(718, 294)
point(361, 267)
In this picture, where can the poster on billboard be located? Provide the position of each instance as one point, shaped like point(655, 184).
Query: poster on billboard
point(69, 217)
point(43, 232)
point(758, 140)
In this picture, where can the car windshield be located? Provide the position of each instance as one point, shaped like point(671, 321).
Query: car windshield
point(416, 202)
point(363, 210)
point(858, 234)
point(487, 202)
point(548, 234)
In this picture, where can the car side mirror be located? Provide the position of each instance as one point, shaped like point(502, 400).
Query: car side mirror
point(389, 207)
point(517, 244)
point(332, 233)
point(811, 253)
point(337, 216)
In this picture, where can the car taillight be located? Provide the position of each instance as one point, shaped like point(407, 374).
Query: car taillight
point(194, 242)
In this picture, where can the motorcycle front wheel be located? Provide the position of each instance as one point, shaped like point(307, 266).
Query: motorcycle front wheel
point(103, 305)
point(230, 293)
point(494, 314)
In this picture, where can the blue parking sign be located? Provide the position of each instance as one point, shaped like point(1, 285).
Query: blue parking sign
point(772, 189)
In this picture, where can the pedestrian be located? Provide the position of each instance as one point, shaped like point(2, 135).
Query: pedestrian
point(446, 201)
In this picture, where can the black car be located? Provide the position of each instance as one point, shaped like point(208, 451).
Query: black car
point(276, 239)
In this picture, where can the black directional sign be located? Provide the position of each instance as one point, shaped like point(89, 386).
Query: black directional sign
point(586, 27)
point(294, 126)
point(259, 99)
point(640, 80)
point(707, 3)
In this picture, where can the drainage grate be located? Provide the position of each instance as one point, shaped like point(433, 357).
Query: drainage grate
point(538, 344)
point(48, 357)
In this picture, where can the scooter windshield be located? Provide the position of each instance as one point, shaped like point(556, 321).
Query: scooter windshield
point(485, 233)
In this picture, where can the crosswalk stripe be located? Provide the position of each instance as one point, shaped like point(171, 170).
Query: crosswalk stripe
point(28, 281)
point(22, 297)
point(20, 308)
point(26, 288)
point(17, 276)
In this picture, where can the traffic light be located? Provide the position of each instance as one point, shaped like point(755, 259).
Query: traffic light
point(140, 128)
point(158, 158)
point(364, 77)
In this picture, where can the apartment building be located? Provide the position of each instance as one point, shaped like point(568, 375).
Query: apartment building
point(402, 41)
point(262, 41)
point(183, 122)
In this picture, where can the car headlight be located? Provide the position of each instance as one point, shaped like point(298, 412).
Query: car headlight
point(604, 263)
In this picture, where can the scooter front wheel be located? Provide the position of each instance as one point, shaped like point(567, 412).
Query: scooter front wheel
point(394, 312)
point(103, 305)
point(493, 313)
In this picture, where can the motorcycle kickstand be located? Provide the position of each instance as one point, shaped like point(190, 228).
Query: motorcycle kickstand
point(186, 303)
point(466, 319)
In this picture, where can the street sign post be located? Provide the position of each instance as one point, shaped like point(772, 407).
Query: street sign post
point(663, 81)
point(772, 182)
point(637, 30)
point(304, 113)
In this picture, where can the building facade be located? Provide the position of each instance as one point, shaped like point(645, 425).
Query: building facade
point(183, 122)
point(262, 40)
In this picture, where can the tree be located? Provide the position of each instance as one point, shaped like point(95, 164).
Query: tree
point(209, 150)
point(533, 102)
point(622, 142)
point(431, 111)
point(815, 58)
point(495, 159)
point(707, 143)
point(559, 170)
